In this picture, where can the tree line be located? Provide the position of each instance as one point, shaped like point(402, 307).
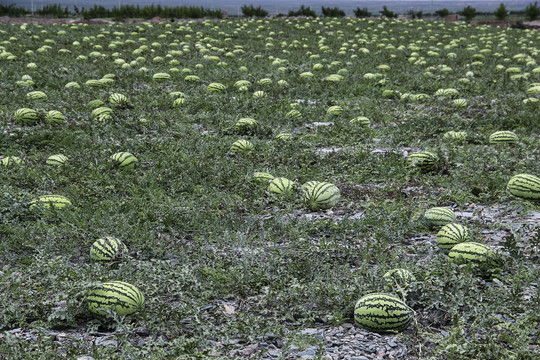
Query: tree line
point(531, 12)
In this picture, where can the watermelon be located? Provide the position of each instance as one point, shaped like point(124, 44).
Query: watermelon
point(283, 136)
point(50, 201)
point(280, 186)
point(382, 313)
point(118, 100)
point(178, 102)
point(452, 234)
point(321, 196)
point(459, 103)
point(265, 81)
point(334, 110)
point(361, 121)
point(56, 159)
point(94, 104)
point(245, 123)
point(525, 186)
point(27, 116)
point(54, 117)
point(216, 87)
point(439, 216)
point(424, 161)
point(161, 77)
point(241, 146)
point(263, 177)
point(399, 277)
point(101, 113)
point(107, 249)
point(119, 296)
point(503, 137)
point(294, 114)
point(259, 94)
point(455, 136)
point(124, 160)
point(11, 160)
point(36, 95)
point(470, 252)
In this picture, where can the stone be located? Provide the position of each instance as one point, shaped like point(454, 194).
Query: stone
point(309, 352)
point(142, 331)
point(106, 341)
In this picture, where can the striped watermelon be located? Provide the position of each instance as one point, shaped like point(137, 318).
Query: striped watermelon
point(176, 94)
point(402, 278)
point(242, 83)
point(334, 110)
point(216, 87)
point(11, 160)
point(361, 121)
point(50, 201)
point(93, 83)
point(245, 123)
point(524, 186)
point(280, 186)
point(259, 94)
point(36, 95)
point(241, 146)
point(455, 136)
point(265, 81)
point(72, 85)
point(452, 234)
point(94, 104)
point(321, 196)
point(118, 100)
point(380, 312)
point(459, 103)
point(27, 116)
point(54, 117)
point(161, 77)
point(283, 136)
point(192, 78)
point(56, 159)
point(294, 114)
point(424, 161)
point(503, 137)
point(178, 102)
point(439, 216)
point(119, 296)
point(470, 252)
point(262, 177)
point(102, 113)
point(283, 83)
point(124, 160)
point(107, 249)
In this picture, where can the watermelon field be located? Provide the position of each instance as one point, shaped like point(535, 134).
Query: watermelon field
point(269, 189)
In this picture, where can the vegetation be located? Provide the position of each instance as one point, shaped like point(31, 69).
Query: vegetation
point(442, 13)
point(332, 12)
point(252, 11)
point(303, 11)
point(361, 13)
point(532, 11)
point(468, 13)
point(502, 12)
point(387, 13)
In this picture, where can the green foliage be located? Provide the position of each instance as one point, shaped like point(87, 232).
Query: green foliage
point(468, 12)
point(147, 12)
point(502, 12)
point(251, 11)
point(442, 13)
point(332, 12)
point(387, 13)
point(532, 11)
point(361, 13)
point(303, 11)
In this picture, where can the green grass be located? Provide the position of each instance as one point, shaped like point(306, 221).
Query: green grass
point(201, 232)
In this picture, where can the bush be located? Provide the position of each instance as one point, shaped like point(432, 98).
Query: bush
point(469, 13)
point(303, 11)
point(361, 13)
point(55, 10)
point(501, 13)
point(333, 12)
point(251, 11)
point(12, 11)
point(442, 13)
point(415, 14)
point(147, 12)
point(532, 11)
point(387, 13)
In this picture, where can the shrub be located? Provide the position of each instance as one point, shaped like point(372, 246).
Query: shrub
point(251, 11)
point(501, 13)
point(333, 12)
point(532, 11)
point(387, 13)
point(303, 11)
point(361, 13)
point(469, 13)
point(442, 13)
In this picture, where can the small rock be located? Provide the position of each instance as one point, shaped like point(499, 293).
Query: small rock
point(274, 352)
point(309, 352)
point(85, 357)
point(106, 341)
point(250, 350)
point(142, 331)
point(309, 332)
